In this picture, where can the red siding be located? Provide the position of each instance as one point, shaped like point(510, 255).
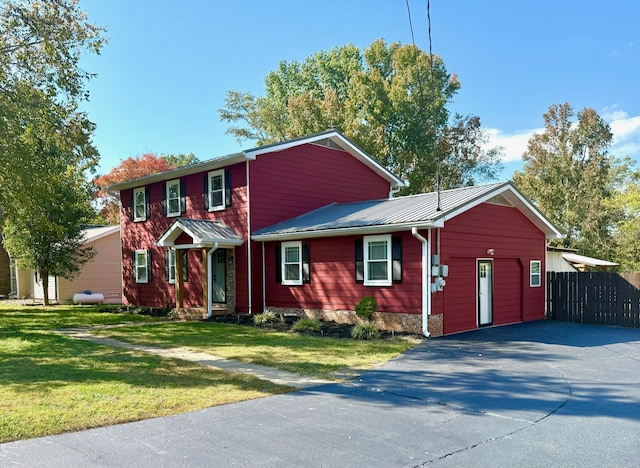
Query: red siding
point(333, 285)
point(291, 182)
point(515, 241)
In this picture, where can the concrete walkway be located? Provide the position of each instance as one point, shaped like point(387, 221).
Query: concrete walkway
point(270, 374)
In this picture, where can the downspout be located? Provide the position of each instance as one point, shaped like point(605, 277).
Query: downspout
point(249, 265)
point(264, 280)
point(210, 280)
point(426, 275)
point(393, 191)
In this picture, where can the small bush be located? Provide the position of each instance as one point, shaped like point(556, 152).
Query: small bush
point(365, 331)
point(366, 307)
point(308, 326)
point(265, 318)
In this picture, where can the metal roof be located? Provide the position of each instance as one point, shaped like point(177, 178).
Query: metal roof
point(582, 261)
point(401, 213)
point(202, 232)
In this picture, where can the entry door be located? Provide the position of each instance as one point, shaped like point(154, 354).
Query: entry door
point(220, 276)
point(485, 292)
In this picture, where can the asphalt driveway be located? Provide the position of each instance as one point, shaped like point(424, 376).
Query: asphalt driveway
point(537, 394)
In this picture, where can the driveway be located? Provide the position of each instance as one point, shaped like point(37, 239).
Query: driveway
point(545, 393)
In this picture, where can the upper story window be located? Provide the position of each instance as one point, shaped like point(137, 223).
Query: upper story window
point(173, 198)
point(142, 266)
point(535, 273)
point(139, 204)
point(217, 190)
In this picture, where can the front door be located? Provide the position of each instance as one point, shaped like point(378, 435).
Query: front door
point(220, 276)
point(485, 292)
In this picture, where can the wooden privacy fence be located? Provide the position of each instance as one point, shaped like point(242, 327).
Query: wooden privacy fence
point(594, 297)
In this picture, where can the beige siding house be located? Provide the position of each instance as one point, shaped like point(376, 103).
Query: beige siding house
point(102, 274)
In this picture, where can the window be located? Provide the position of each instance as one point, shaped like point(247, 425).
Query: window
point(173, 198)
point(377, 260)
point(216, 191)
point(292, 263)
point(139, 204)
point(293, 266)
point(170, 265)
point(142, 266)
point(535, 273)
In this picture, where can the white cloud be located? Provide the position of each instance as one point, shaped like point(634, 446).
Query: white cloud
point(513, 144)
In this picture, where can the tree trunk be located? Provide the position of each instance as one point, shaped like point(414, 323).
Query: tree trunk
point(45, 286)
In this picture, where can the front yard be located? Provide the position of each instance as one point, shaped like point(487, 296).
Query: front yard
point(51, 384)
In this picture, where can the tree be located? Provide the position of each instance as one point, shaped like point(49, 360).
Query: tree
point(129, 169)
point(569, 175)
point(390, 100)
point(627, 229)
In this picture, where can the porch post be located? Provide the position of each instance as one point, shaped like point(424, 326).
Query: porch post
point(179, 280)
point(205, 279)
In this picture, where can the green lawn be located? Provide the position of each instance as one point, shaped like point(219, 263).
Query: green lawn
point(51, 383)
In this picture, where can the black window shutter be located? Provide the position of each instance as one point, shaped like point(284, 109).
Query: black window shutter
point(185, 270)
point(396, 257)
point(147, 201)
point(306, 264)
point(167, 273)
point(359, 253)
point(205, 189)
point(149, 267)
point(132, 207)
point(134, 266)
point(227, 187)
point(183, 196)
point(164, 198)
point(278, 262)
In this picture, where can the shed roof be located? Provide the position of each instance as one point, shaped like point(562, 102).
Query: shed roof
point(401, 213)
point(582, 261)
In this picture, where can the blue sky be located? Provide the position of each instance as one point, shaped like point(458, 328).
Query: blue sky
point(168, 65)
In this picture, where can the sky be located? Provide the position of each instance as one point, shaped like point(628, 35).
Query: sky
point(169, 64)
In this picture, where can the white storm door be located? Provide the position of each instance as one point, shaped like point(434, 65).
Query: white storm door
point(485, 292)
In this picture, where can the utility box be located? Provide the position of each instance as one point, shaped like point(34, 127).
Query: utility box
point(444, 271)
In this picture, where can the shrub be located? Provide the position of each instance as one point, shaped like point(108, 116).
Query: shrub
point(366, 307)
point(308, 326)
point(365, 331)
point(265, 318)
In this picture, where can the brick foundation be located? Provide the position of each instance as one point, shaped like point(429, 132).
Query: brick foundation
point(410, 323)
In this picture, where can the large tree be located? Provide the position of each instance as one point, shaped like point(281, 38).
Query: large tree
point(390, 100)
point(570, 176)
point(627, 229)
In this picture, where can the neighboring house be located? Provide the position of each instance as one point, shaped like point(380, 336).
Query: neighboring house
point(309, 226)
point(560, 259)
point(102, 274)
point(5, 271)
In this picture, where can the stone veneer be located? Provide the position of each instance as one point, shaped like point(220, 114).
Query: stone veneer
point(411, 323)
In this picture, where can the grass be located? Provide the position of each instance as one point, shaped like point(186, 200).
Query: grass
point(51, 384)
point(321, 357)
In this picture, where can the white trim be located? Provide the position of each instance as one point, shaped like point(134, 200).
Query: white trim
point(370, 239)
point(146, 266)
point(136, 218)
point(531, 274)
point(249, 262)
point(283, 262)
point(172, 254)
point(210, 176)
point(169, 183)
point(383, 228)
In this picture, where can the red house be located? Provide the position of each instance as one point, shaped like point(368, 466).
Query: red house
point(310, 226)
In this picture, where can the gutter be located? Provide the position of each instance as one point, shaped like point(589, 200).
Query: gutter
point(426, 275)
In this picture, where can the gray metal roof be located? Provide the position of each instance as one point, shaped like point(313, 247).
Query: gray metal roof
point(400, 213)
point(202, 231)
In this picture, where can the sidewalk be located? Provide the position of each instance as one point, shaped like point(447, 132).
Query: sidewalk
point(276, 376)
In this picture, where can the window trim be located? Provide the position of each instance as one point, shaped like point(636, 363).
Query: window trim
point(532, 274)
point(366, 241)
point(211, 175)
point(283, 263)
point(137, 218)
point(168, 184)
point(137, 267)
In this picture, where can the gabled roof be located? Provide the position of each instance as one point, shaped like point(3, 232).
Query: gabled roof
point(402, 213)
point(330, 139)
point(203, 233)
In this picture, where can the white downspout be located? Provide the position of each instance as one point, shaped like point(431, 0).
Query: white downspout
point(210, 280)
point(249, 265)
point(264, 280)
point(426, 275)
